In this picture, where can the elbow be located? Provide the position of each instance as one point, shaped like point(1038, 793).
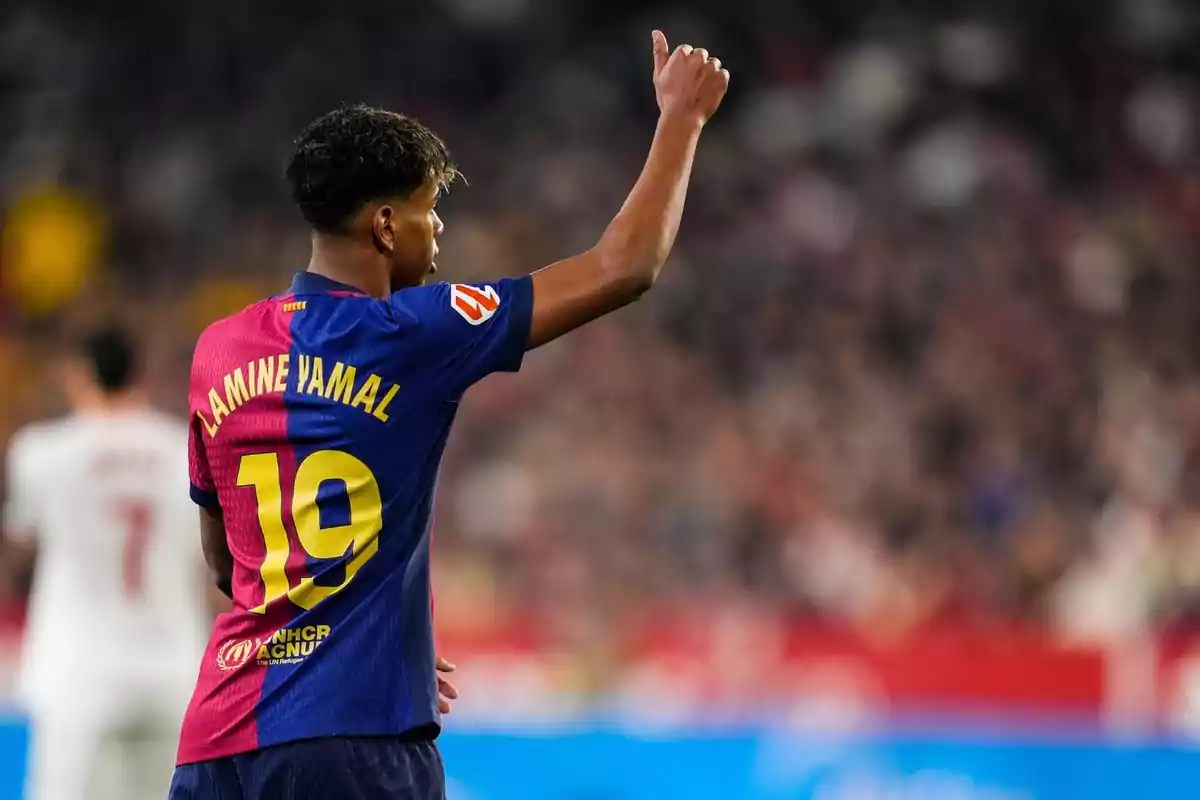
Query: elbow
point(220, 574)
point(631, 270)
point(636, 283)
point(224, 584)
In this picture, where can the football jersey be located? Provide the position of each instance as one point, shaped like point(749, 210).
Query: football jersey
point(118, 594)
point(319, 418)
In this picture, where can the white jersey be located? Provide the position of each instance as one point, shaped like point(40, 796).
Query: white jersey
point(118, 595)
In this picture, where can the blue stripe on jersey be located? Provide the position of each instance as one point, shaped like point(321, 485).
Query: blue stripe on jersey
point(374, 672)
point(203, 497)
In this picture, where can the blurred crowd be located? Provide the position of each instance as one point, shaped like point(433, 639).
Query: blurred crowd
point(925, 352)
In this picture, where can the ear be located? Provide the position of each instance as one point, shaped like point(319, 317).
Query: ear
point(383, 228)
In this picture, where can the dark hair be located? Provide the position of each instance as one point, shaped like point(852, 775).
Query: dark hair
point(113, 357)
point(357, 154)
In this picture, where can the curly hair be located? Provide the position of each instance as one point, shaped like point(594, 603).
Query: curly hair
point(357, 154)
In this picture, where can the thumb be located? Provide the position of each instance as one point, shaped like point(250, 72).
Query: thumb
point(661, 51)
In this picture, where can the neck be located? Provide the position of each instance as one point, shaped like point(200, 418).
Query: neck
point(100, 404)
point(345, 261)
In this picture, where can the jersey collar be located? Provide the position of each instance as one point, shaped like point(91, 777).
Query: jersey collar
point(312, 283)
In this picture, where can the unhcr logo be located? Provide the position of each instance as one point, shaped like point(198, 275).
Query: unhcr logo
point(236, 652)
point(291, 645)
point(284, 646)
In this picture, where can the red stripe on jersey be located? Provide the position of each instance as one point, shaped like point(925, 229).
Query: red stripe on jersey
point(221, 716)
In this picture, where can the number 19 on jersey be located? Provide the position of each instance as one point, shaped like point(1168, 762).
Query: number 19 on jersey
point(358, 540)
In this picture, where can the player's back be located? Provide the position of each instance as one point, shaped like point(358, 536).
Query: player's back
point(318, 424)
point(118, 584)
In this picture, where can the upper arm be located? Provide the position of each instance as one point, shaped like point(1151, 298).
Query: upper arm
point(575, 291)
point(464, 332)
point(203, 490)
point(21, 505)
point(216, 549)
point(22, 510)
point(184, 512)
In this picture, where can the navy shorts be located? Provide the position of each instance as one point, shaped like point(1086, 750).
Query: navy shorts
point(343, 768)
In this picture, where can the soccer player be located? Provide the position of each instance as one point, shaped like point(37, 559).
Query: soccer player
point(319, 418)
point(117, 616)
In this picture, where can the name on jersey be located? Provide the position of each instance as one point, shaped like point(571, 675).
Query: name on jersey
point(339, 383)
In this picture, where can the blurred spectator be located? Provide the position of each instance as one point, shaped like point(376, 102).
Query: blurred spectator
point(925, 350)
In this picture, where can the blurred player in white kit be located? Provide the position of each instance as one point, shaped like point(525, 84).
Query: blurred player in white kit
point(119, 610)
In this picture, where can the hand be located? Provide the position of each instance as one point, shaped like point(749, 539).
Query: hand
point(446, 689)
point(687, 82)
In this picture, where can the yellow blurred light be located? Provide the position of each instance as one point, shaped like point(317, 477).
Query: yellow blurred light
point(52, 243)
point(218, 297)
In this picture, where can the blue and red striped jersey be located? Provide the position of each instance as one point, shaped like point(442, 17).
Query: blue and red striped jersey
point(318, 421)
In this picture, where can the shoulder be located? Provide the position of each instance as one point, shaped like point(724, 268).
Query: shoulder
point(163, 427)
point(38, 442)
point(223, 339)
point(235, 323)
point(168, 435)
point(406, 310)
point(412, 304)
point(41, 434)
point(458, 303)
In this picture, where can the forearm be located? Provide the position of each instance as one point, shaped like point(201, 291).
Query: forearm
point(220, 571)
point(222, 582)
point(637, 242)
point(218, 599)
point(631, 252)
point(16, 568)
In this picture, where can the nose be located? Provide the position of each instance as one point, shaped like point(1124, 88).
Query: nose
point(438, 227)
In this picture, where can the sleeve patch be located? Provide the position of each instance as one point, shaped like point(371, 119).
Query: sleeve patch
point(475, 304)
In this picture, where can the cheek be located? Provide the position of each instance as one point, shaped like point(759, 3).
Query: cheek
point(415, 236)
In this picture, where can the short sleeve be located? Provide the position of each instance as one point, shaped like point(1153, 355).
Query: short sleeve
point(465, 332)
point(21, 495)
point(186, 521)
point(203, 491)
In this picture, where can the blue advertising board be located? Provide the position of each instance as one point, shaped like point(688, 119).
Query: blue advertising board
point(616, 764)
point(609, 765)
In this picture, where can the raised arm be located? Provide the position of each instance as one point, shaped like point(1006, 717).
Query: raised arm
point(627, 259)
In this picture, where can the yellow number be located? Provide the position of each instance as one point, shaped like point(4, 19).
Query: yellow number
point(358, 540)
point(262, 472)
